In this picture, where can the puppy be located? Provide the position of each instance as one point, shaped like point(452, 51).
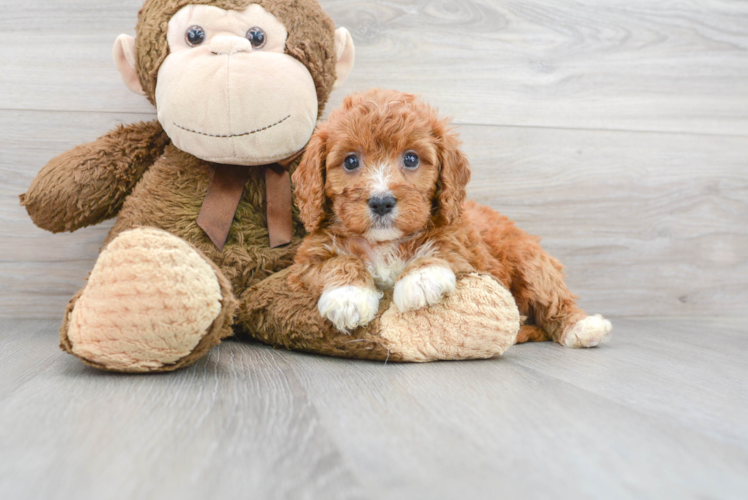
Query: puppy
point(381, 191)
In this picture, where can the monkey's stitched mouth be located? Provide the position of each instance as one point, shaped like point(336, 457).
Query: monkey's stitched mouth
point(228, 136)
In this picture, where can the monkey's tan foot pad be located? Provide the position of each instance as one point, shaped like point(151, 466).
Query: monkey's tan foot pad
point(478, 320)
point(152, 303)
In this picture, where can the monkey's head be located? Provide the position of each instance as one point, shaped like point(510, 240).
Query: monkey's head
point(236, 81)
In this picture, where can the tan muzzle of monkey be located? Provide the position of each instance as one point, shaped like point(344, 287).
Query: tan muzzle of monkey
point(227, 45)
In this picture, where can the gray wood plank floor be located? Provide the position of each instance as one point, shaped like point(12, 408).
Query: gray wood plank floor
point(659, 412)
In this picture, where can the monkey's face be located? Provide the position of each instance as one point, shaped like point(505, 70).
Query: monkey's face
point(228, 93)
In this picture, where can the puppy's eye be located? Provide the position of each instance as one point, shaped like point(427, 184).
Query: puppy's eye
point(411, 160)
point(351, 163)
point(256, 37)
point(194, 36)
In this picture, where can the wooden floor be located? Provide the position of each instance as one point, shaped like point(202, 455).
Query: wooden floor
point(660, 412)
point(617, 130)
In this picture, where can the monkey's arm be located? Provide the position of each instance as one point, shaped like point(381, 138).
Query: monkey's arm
point(89, 183)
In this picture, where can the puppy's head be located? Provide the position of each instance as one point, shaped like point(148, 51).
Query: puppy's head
point(384, 166)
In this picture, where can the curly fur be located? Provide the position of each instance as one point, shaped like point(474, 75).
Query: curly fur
point(433, 227)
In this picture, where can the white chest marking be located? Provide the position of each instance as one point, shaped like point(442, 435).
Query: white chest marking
point(385, 261)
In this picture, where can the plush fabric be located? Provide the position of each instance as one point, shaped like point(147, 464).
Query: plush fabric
point(438, 332)
point(88, 184)
point(479, 320)
point(148, 288)
point(311, 38)
point(277, 127)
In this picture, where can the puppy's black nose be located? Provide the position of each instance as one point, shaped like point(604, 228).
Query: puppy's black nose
point(382, 205)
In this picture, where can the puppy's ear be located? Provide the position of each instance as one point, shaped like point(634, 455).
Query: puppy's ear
point(309, 181)
point(454, 174)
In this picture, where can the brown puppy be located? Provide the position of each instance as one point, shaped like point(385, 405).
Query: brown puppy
point(381, 190)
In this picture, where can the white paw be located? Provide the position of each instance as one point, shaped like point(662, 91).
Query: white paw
point(423, 287)
point(588, 332)
point(349, 307)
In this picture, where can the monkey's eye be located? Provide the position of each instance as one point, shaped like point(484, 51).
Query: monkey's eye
point(351, 163)
point(194, 35)
point(411, 160)
point(256, 37)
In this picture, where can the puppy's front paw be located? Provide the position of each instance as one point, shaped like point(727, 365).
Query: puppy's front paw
point(424, 287)
point(349, 307)
point(588, 332)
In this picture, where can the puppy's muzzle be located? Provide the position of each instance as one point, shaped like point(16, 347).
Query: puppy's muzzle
point(382, 205)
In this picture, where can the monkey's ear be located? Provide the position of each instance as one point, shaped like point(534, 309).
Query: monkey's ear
point(124, 58)
point(346, 55)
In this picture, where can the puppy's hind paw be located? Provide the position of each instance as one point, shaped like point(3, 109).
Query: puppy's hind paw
point(423, 287)
point(349, 307)
point(588, 332)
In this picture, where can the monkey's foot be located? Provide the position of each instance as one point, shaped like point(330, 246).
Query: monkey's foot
point(588, 332)
point(479, 319)
point(152, 303)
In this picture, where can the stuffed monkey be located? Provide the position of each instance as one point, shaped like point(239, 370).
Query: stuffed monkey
point(205, 221)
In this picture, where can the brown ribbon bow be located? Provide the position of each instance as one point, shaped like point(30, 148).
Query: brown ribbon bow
point(225, 193)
